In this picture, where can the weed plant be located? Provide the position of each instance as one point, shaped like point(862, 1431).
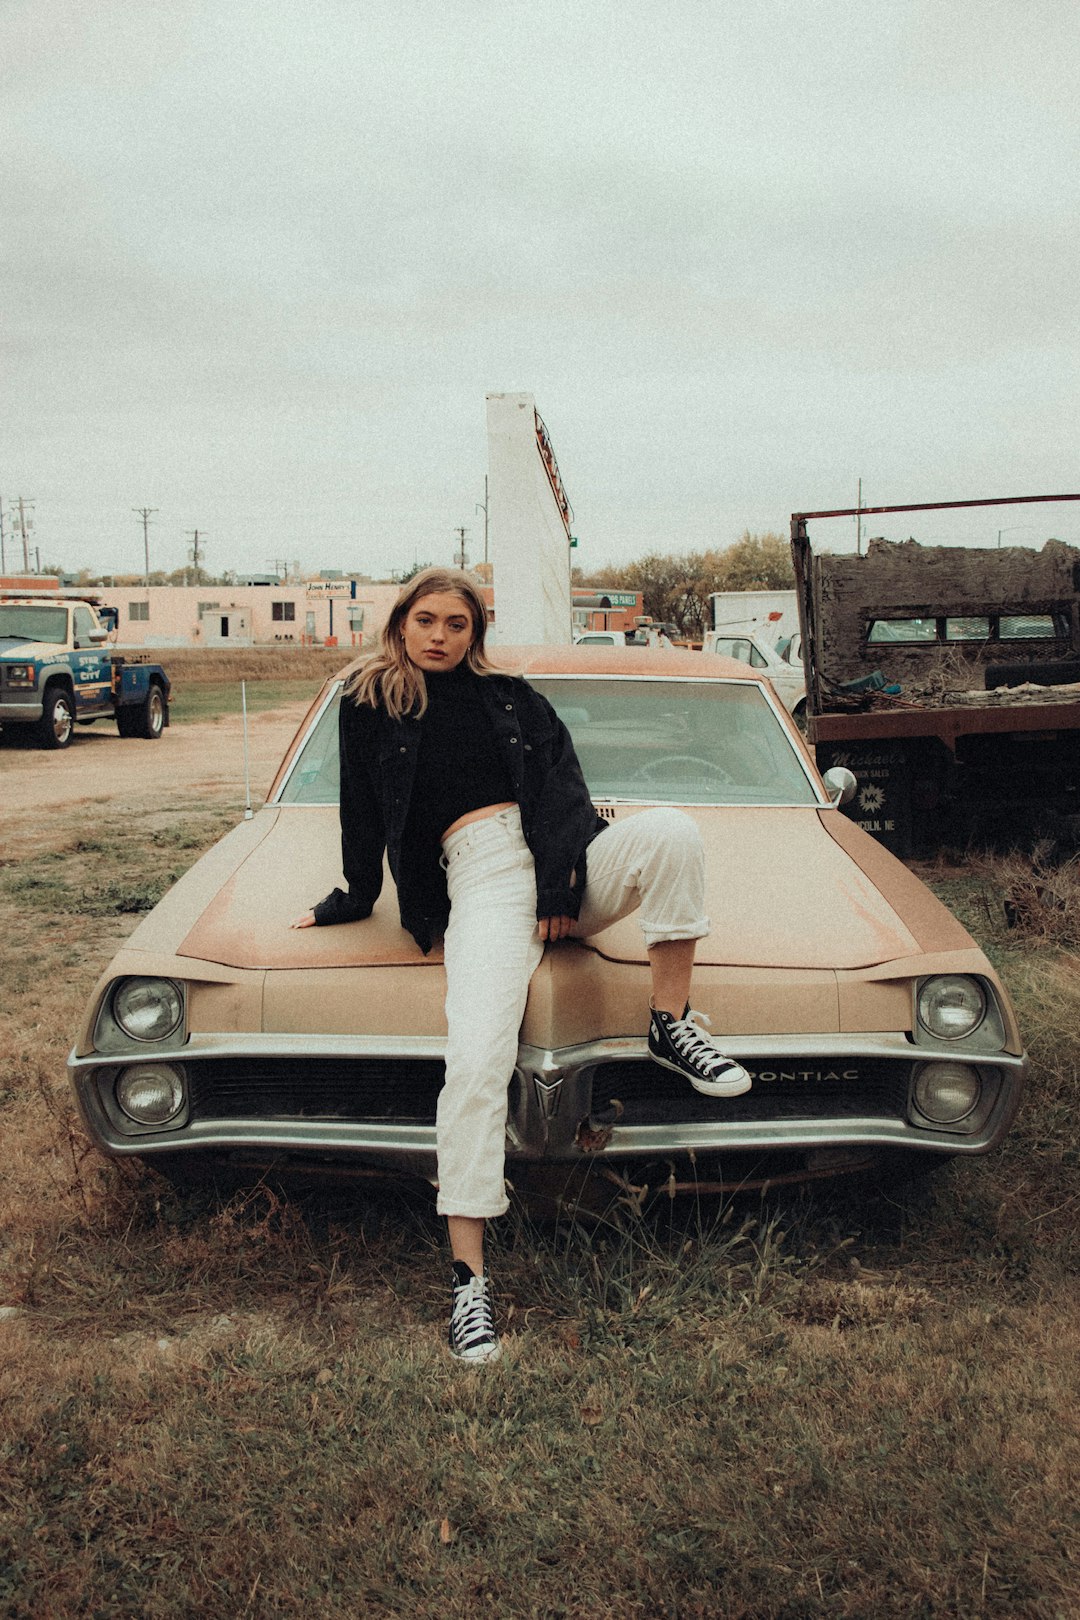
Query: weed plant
point(857, 1400)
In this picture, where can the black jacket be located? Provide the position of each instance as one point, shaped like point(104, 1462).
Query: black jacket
point(378, 772)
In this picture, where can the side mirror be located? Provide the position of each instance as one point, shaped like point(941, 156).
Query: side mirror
point(840, 784)
point(96, 637)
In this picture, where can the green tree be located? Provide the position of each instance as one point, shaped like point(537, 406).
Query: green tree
point(676, 589)
point(402, 576)
point(658, 578)
point(757, 562)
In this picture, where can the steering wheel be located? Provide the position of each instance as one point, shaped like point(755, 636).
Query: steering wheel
point(654, 767)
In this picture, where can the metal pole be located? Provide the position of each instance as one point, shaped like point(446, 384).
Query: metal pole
point(484, 509)
point(938, 506)
point(858, 522)
point(248, 812)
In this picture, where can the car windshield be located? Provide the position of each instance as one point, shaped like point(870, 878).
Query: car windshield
point(642, 740)
point(29, 622)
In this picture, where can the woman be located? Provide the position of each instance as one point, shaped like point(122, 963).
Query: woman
point(467, 780)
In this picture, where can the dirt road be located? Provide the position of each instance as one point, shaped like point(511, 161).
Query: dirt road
point(203, 760)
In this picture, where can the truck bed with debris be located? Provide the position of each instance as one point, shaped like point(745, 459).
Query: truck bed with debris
point(948, 679)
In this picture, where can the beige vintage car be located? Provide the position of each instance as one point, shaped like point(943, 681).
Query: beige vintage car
point(873, 1026)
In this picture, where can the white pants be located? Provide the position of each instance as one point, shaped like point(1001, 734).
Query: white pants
point(653, 861)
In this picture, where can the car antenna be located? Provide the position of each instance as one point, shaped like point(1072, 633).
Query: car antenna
point(248, 812)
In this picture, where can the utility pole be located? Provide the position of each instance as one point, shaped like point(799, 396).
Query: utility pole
point(461, 552)
point(24, 525)
point(3, 555)
point(194, 553)
point(145, 513)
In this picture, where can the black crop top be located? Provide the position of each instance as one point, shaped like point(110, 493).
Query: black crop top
point(459, 767)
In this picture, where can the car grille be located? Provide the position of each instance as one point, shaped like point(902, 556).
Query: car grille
point(783, 1089)
point(407, 1089)
point(316, 1088)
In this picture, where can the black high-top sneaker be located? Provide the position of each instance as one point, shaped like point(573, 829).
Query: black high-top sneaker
point(680, 1044)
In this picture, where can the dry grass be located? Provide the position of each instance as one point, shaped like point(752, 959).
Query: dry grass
point(860, 1403)
point(196, 665)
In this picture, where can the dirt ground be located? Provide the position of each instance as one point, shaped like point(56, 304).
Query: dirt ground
point(201, 760)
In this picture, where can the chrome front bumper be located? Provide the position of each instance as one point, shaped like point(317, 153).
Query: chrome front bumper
point(18, 711)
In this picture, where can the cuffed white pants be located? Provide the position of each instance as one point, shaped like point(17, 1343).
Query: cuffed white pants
point(652, 861)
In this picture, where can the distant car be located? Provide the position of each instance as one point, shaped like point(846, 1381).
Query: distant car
point(600, 638)
point(782, 665)
point(871, 1023)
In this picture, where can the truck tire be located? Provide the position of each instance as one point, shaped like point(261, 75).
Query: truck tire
point(57, 721)
point(146, 719)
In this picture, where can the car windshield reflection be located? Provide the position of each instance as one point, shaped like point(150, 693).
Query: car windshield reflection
point(639, 740)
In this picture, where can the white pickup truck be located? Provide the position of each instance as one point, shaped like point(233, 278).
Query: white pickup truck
point(781, 664)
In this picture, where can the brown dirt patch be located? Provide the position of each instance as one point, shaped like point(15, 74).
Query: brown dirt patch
point(202, 761)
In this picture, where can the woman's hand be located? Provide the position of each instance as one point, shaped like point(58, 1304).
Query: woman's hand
point(555, 927)
point(307, 920)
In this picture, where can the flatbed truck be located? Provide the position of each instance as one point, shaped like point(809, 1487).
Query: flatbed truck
point(947, 679)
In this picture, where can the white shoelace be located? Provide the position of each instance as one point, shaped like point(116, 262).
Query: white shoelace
point(472, 1318)
point(686, 1036)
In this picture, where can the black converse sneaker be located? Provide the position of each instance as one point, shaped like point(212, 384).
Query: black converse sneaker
point(681, 1044)
point(472, 1319)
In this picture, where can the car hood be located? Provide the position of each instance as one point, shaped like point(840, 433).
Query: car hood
point(787, 887)
point(20, 651)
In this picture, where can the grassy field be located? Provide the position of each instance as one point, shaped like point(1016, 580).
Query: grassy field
point(206, 682)
point(199, 665)
point(210, 700)
point(861, 1402)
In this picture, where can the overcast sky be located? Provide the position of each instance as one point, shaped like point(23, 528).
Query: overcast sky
point(263, 261)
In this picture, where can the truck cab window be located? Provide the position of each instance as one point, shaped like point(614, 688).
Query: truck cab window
point(738, 647)
point(1027, 627)
point(902, 630)
point(977, 629)
point(83, 626)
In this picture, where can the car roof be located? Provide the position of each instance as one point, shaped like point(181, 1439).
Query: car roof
point(598, 659)
point(31, 601)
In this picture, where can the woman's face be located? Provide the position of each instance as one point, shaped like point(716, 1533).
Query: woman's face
point(437, 630)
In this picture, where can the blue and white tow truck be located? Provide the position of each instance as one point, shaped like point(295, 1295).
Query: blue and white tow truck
point(57, 671)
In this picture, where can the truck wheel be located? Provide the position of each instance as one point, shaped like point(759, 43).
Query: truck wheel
point(145, 719)
point(57, 721)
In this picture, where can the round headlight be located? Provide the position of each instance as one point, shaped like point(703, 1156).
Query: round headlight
point(951, 1006)
point(148, 1009)
point(946, 1092)
point(151, 1093)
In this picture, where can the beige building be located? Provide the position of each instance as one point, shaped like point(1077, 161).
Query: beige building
point(319, 613)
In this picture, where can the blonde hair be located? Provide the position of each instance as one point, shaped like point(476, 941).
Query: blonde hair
point(389, 677)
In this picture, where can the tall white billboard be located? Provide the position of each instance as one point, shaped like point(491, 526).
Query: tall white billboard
point(529, 526)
